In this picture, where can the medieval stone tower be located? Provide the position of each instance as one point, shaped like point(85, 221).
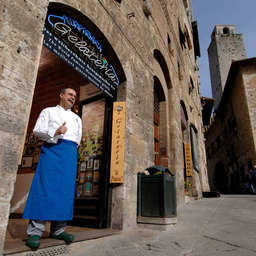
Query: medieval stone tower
point(225, 47)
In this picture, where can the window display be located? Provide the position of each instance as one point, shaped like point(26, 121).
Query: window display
point(90, 150)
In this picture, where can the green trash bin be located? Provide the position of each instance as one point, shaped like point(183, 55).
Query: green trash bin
point(156, 193)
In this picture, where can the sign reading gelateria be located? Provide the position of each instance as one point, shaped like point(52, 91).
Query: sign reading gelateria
point(189, 170)
point(118, 139)
point(75, 45)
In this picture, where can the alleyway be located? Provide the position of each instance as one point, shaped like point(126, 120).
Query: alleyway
point(211, 226)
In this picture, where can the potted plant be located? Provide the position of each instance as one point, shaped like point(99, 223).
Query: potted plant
point(187, 186)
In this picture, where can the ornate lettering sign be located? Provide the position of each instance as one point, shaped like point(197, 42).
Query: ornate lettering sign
point(188, 162)
point(75, 45)
point(118, 140)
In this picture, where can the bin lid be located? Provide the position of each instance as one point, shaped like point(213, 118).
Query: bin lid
point(153, 169)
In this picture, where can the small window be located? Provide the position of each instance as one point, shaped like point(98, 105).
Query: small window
point(191, 86)
point(194, 148)
point(182, 37)
point(226, 30)
point(185, 3)
point(187, 38)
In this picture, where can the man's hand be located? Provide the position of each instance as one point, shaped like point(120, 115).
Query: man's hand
point(61, 130)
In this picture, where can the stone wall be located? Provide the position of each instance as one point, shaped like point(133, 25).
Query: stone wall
point(234, 146)
point(224, 48)
point(20, 45)
point(135, 34)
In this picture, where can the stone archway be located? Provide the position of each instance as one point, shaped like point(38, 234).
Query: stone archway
point(220, 178)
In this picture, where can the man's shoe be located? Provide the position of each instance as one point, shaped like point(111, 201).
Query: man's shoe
point(63, 236)
point(33, 241)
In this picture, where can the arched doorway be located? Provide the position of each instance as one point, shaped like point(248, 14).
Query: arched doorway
point(75, 54)
point(159, 120)
point(220, 178)
point(161, 114)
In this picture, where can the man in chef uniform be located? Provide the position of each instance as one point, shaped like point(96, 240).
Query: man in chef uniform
point(51, 196)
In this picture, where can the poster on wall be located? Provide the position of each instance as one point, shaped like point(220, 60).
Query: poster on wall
point(31, 154)
point(90, 148)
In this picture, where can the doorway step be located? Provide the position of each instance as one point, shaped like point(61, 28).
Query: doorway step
point(16, 238)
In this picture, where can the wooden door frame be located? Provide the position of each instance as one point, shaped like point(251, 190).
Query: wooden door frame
point(157, 138)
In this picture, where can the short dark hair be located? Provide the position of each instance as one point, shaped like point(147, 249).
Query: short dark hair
point(64, 89)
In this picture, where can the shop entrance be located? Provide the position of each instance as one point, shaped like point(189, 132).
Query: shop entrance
point(95, 111)
point(89, 68)
point(91, 208)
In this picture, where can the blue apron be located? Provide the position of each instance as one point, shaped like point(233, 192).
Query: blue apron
point(52, 192)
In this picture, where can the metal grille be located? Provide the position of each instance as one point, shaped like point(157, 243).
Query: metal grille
point(57, 250)
point(156, 103)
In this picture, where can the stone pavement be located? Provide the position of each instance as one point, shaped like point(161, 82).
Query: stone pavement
point(210, 226)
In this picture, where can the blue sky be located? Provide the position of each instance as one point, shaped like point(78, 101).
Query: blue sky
point(208, 13)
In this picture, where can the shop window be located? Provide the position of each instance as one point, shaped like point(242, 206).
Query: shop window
point(194, 148)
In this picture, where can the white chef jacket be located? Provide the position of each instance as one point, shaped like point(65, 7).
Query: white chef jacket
point(50, 119)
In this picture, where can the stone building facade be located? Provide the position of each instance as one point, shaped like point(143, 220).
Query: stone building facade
point(145, 52)
point(225, 47)
point(230, 137)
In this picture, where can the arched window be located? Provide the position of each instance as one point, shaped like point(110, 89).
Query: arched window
point(185, 3)
point(187, 38)
point(183, 116)
point(170, 45)
point(226, 30)
point(194, 147)
point(191, 86)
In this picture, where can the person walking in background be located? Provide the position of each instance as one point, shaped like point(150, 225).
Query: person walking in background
point(253, 180)
point(247, 183)
point(51, 196)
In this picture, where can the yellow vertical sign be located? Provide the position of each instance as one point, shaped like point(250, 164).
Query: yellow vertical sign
point(118, 140)
point(189, 169)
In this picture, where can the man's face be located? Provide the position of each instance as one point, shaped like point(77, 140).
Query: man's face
point(67, 100)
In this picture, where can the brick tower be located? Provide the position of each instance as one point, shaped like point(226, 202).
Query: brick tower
point(225, 47)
